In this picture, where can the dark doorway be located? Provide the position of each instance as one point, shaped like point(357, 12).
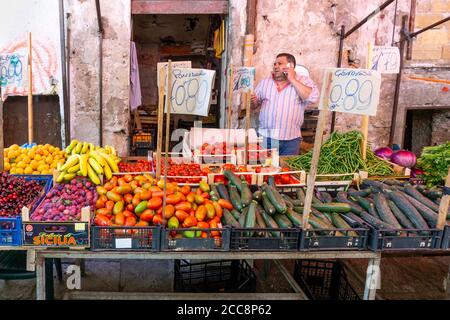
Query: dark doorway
point(46, 122)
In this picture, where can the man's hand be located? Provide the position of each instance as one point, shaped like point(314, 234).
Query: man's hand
point(290, 72)
point(254, 101)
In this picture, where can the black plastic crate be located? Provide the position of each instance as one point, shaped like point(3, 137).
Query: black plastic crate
point(214, 276)
point(324, 280)
point(269, 239)
point(173, 239)
point(125, 238)
point(405, 239)
point(330, 239)
point(446, 238)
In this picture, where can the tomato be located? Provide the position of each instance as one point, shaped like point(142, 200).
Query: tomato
point(203, 225)
point(225, 204)
point(127, 214)
point(200, 213)
point(169, 211)
point(130, 207)
point(157, 219)
point(190, 222)
point(154, 203)
point(101, 220)
point(185, 190)
point(119, 219)
point(147, 215)
point(109, 205)
point(173, 199)
point(181, 215)
point(185, 206)
point(285, 179)
point(128, 198)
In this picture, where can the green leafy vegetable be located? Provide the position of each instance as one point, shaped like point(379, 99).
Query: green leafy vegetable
point(435, 161)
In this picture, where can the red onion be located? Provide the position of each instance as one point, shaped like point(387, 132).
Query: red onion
point(417, 172)
point(404, 158)
point(384, 153)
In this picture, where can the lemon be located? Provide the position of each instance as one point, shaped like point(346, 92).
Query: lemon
point(45, 172)
point(38, 157)
point(53, 165)
point(13, 165)
point(36, 172)
point(34, 164)
point(31, 154)
point(49, 159)
point(7, 166)
point(6, 160)
point(28, 170)
point(21, 164)
point(26, 159)
point(13, 171)
point(14, 147)
point(19, 171)
point(51, 149)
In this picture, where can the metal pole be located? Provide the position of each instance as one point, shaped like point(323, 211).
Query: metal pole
point(412, 19)
point(415, 34)
point(339, 64)
point(398, 81)
point(395, 21)
point(100, 69)
point(66, 103)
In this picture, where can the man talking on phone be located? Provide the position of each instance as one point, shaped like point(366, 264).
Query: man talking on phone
point(282, 99)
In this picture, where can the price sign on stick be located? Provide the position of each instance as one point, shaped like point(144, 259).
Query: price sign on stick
point(13, 74)
point(175, 64)
point(191, 91)
point(354, 91)
point(385, 59)
point(243, 79)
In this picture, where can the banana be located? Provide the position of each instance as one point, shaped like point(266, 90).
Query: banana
point(60, 177)
point(69, 176)
point(74, 169)
point(95, 165)
point(72, 144)
point(98, 157)
point(78, 147)
point(83, 164)
point(108, 172)
point(92, 175)
point(113, 151)
point(85, 148)
point(71, 161)
point(91, 147)
point(111, 162)
point(79, 174)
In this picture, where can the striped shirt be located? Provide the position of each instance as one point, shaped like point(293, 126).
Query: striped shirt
point(282, 110)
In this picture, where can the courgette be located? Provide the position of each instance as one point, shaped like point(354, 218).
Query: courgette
point(316, 200)
point(418, 196)
point(382, 206)
point(270, 223)
point(257, 195)
point(223, 192)
point(259, 219)
point(233, 179)
point(355, 218)
point(375, 222)
point(408, 209)
point(289, 204)
point(340, 223)
point(235, 198)
point(322, 217)
point(295, 218)
point(429, 215)
point(250, 219)
point(246, 194)
point(355, 208)
point(243, 217)
point(283, 221)
point(236, 214)
point(367, 206)
point(432, 194)
point(275, 198)
point(301, 196)
point(361, 193)
point(229, 219)
point(268, 206)
point(402, 219)
point(333, 207)
point(325, 197)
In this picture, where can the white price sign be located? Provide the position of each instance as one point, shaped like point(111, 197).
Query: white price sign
point(243, 79)
point(385, 59)
point(175, 64)
point(354, 91)
point(191, 91)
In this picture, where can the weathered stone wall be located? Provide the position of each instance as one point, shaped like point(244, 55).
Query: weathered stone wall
point(84, 71)
point(440, 127)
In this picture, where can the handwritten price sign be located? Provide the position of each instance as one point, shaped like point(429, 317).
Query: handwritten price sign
point(354, 91)
point(191, 91)
point(385, 59)
point(165, 66)
point(243, 79)
point(13, 73)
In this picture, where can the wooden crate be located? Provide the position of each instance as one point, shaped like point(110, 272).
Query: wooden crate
point(273, 160)
point(300, 175)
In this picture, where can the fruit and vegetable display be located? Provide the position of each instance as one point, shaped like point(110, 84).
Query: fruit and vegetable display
point(179, 170)
point(86, 160)
point(341, 154)
point(435, 161)
point(16, 192)
point(138, 166)
point(65, 201)
point(39, 159)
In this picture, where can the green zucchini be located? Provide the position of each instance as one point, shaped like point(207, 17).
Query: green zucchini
point(333, 207)
point(214, 193)
point(246, 194)
point(250, 219)
point(298, 209)
point(408, 209)
point(367, 206)
point(418, 196)
point(297, 203)
point(270, 223)
point(301, 196)
point(268, 206)
point(355, 218)
point(432, 194)
point(325, 197)
point(275, 198)
point(382, 206)
point(318, 223)
point(243, 217)
point(429, 215)
point(361, 193)
point(340, 223)
point(259, 219)
point(316, 200)
point(236, 214)
point(257, 195)
point(229, 219)
point(355, 208)
point(375, 222)
point(233, 179)
point(235, 198)
point(283, 221)
point(322, 217)
point(328, 216)
point(295, 218)
point(223, 192)
point(289, 204)
point(402, 219)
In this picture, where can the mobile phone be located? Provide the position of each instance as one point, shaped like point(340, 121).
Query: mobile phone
point(288, 65)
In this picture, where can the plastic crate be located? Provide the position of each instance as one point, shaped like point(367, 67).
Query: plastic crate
point(324, 280)
point(286, 239)
point(209, 243)
point(329, 239)
point(446, 238)
point(214, 276)
point(404, 239)
point(46, 181)
point(11, 231)
point(125, 238)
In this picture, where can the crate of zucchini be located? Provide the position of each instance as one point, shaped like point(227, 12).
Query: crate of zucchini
point(260, 220)
point(401, 216)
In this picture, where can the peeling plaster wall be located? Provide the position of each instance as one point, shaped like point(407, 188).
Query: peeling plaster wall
point(84, 76)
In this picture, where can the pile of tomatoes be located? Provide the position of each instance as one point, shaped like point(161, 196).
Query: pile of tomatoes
point(217, 148)
point(283, 178)
point(192, 171)
point(139, 166)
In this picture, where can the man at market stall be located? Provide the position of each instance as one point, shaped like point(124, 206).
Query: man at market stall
point(282, 99)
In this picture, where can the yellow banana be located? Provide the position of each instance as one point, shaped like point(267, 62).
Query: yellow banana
point(108, 172)
point(111, 162)
point(98, 157)
point(91, 147)
point(113, 151)
point(78, 147)
point(60, 177)
point(92, 175)
point(74, 169)
point(69, 176)
point(71, 161)
point(95, 165)
point(72, 144)
point(85, 148)
point(79, 174)
point(83, 164)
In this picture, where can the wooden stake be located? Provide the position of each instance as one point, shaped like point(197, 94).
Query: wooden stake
point(162, 84)
point(230, 95)
point(249, 43)
point(365, 119)
point(247, 124)
point(1, 134)
point(316, 153)
point(30, 91)
point(443, 207)
point(166, 154)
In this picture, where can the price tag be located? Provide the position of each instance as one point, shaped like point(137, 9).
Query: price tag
point(385, 59)
point(124, 243)
point(175, 64)
point(243, 79)
point(80, 227)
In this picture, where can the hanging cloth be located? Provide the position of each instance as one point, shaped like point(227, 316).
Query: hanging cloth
point(135, 84)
